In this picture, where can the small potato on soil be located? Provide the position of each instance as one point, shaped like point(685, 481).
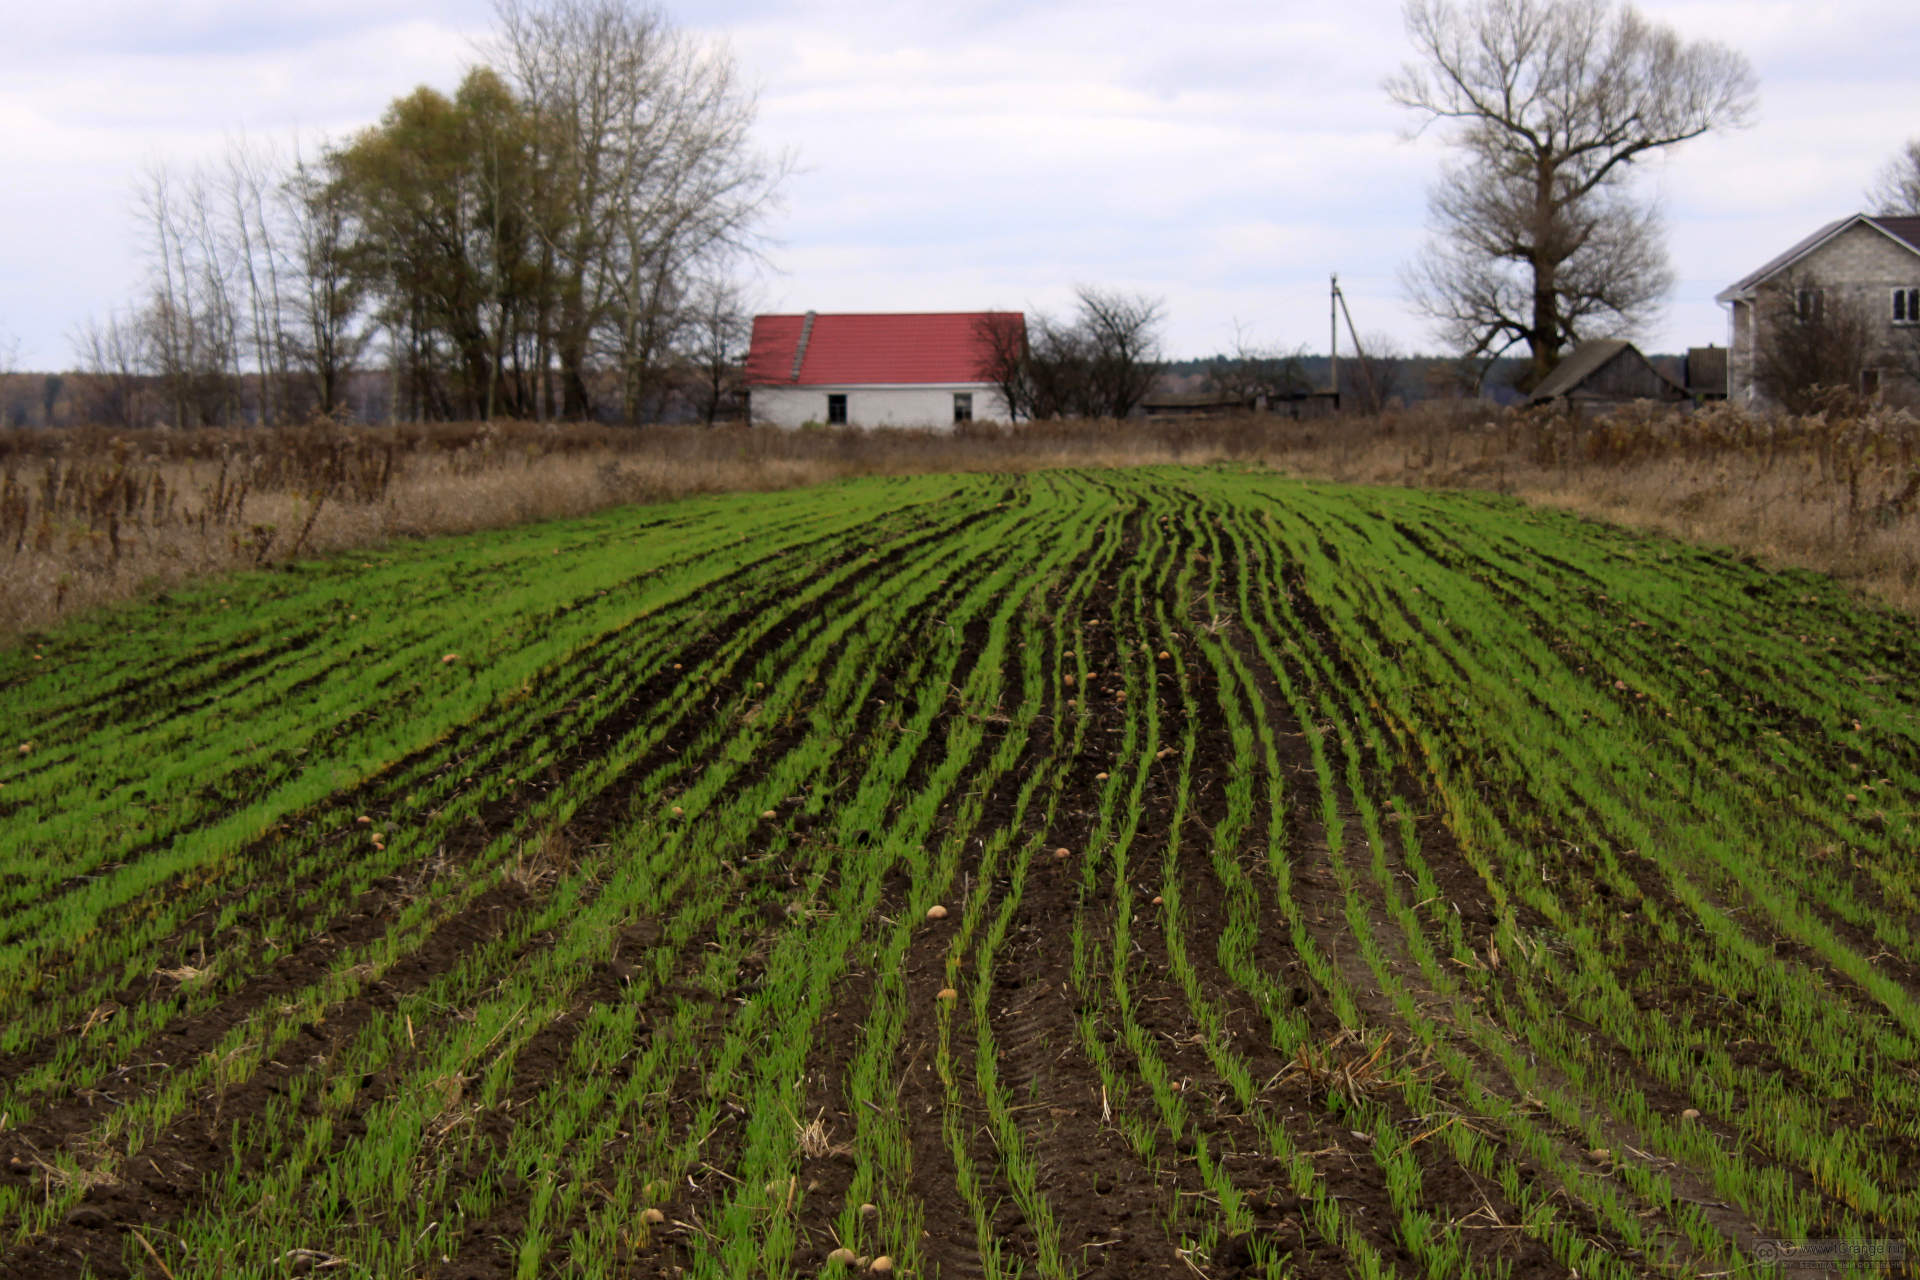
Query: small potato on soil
point(936, 912)
point(947, 993)
point(844, 1256)
point(653, 1217)
point(881, 1265)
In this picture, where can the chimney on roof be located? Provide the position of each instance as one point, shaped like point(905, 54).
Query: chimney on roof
point(800, 350)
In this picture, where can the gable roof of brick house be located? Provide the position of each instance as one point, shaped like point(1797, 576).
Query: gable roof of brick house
point(1903, 231)
point(865, 349)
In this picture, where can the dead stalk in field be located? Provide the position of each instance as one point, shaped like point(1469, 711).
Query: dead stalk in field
point(91, 516)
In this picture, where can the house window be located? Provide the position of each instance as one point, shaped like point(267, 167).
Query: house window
point(1808, 304)
point(963, 406)
point(1906, 306)
point(837, 411)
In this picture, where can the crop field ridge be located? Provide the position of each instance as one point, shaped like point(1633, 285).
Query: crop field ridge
point(1159, 872)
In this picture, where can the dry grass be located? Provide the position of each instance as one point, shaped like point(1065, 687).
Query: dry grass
point(90, 516)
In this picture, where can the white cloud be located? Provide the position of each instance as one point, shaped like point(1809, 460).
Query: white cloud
point(1226, 156)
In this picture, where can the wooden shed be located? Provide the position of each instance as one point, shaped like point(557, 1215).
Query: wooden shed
point(1606, 373)
point(1707, 373)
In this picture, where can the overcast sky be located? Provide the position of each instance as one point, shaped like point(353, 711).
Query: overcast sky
point(1223, 156)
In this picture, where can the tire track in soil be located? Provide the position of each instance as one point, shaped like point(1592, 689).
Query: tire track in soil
point(94, 1223)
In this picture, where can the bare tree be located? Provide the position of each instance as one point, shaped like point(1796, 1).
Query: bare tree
point(1372, 377)
point(1537, 238)
point(1897, 190)
point(321, 327)
point(249, 243)
point(1811, 342)
point(646, 174)
point(1001, 337)
point(1058, 357)
point(113, 357)
point(191, 319)
point(1255, 373)
point(1101, 364)
point(719, 327)
point(1122, 333)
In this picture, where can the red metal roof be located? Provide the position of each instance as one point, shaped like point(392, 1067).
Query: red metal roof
point(856, 350)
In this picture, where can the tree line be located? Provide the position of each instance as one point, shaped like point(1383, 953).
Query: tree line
point(558, 238)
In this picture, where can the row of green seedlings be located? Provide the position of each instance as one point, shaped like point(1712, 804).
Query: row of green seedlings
point(1345, 776)
point(1757, 785)
point(814, 957)
point(241, 1050)
point(1539, 777)
point(596, 1235)
point(985, 922)
point(111, 756)
point(216, 830)
point(1762, 674)
point(1440, 1248)
point(436, 804)
point(1497, 1045)
point(326, 889)
point(173, 755)
point(1117, 832)
point(1122, 803)
point(410, 1033)
point(880, 1140)
point(1794, 1117)
point(745, 1039)
point(1270, 996)
point(554, 1138)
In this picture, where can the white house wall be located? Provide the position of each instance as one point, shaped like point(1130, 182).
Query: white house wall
point(919, 405)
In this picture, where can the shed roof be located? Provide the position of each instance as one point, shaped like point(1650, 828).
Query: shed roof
point(822, 349)
point(1586, 360)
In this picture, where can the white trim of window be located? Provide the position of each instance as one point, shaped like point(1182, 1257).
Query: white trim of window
point(1906, 306)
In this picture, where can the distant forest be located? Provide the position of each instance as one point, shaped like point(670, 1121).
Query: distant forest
point(685, 395)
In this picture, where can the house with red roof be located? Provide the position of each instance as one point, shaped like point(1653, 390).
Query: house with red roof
point(917, 369)
point(1870, 262)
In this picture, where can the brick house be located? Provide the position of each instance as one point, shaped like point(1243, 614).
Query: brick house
point(1873, 262)
point(874, 370)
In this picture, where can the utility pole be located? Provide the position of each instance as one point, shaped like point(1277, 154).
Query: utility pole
point(1336, 308)
point(1333, 337)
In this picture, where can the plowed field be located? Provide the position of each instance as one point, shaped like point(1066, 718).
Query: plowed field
point(1134, 873)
